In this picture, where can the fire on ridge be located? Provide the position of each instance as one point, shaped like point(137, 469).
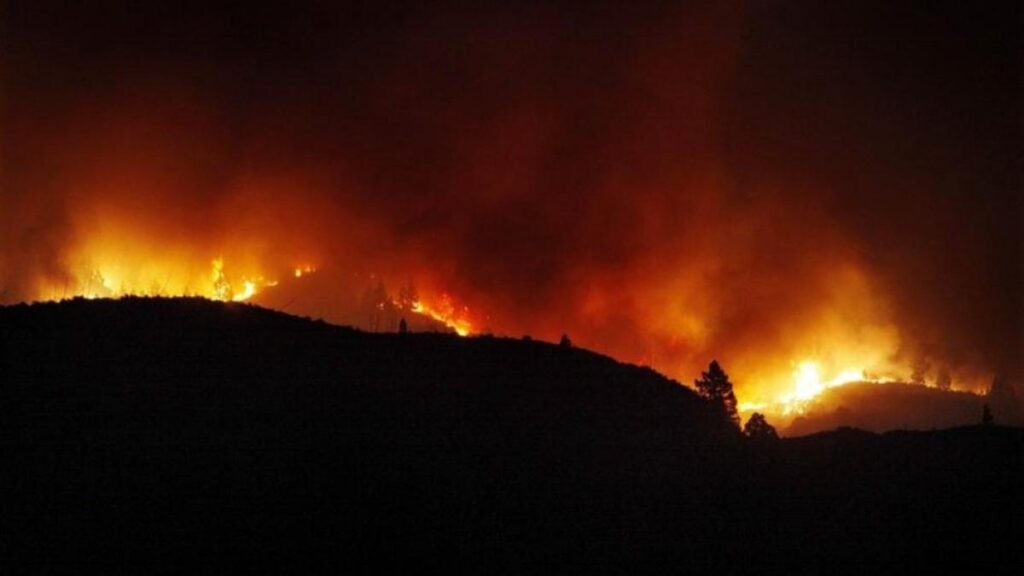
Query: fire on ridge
point(781, 397)
point(222, 283)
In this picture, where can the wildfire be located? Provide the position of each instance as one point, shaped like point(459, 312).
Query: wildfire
point(248, 291)
point(808, 382)
point(809, 379)
point(110, 280)
point(446, 314)
point(236, 279)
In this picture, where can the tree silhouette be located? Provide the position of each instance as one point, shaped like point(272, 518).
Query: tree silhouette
point(1002, 399)
point(565, 342)
point(943, 381)
point(921, 367)
point(759, 430)
point(403, 327)
point(986, 416)
point(714, 386)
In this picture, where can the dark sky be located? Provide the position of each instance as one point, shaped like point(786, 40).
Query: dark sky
point(665, 181)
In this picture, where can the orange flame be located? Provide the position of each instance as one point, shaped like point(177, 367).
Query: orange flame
point(447, 314)
point(116, 280)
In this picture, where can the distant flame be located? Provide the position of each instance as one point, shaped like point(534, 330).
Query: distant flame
point(446, 314)
point(224, 291)
point(118, 279)
point(810, 380)
point(248, 291)
point(808, 383)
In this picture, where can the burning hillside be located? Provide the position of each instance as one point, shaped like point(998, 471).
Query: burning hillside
point(665, 183)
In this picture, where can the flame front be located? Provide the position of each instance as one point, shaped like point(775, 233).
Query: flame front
point(808, 380)
point(115, 280)
point(447, 314)
point(162, 274)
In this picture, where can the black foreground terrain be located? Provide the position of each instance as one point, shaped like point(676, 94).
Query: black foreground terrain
point(180, 431)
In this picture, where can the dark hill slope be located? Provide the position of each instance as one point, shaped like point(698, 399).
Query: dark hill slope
point(902, 498)
point(192, 425)
point(150, 430)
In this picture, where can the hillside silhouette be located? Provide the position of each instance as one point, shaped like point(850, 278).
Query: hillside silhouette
point(175, 431)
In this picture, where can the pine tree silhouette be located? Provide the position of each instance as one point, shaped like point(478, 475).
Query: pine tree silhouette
point(715, 387)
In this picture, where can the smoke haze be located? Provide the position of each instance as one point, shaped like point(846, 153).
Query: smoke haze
point(667, 183)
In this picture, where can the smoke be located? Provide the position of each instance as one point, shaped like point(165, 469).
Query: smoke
point(668, 184)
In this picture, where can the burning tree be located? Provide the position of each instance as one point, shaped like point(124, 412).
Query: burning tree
point(714, 386)
point(408, 296)
point(921, 368)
